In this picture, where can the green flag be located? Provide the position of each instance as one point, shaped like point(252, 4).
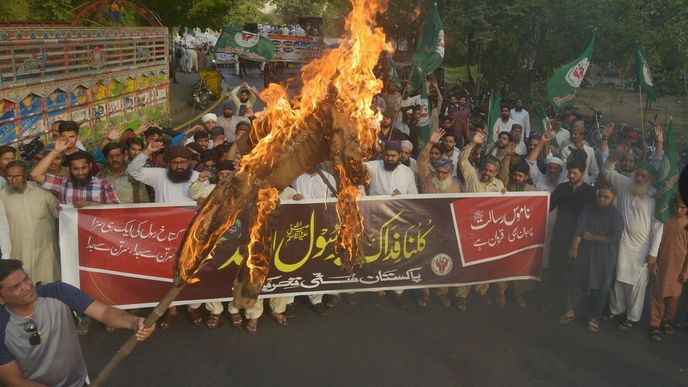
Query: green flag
point(667, 177)
point(392, 75)
point(429, 52)
point(424, 122)
point(244, 44)
point(562, 86)
point(493, 114)
point(643, 75)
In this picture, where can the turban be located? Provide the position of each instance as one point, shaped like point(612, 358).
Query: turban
point(208, 117)
point(393, 145)
point(647, 166)
point(554, 160)
point(406, 145)
point(178, 151)
point(445, 164)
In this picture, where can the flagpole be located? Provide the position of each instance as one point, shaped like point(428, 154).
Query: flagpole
point(396, 114)
point(642, 121)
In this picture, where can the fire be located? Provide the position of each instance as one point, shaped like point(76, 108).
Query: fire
point(331, 119)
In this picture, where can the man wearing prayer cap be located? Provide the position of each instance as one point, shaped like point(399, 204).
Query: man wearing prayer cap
point(406, 159)
point(171, 185)
point(390, 177)
point(640, 239)
point(553, 175)
point(439, 181)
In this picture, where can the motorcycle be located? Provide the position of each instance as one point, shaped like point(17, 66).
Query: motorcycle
point(201, 94)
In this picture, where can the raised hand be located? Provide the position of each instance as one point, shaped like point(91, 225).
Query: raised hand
point(548, 136)
point(659, 134)
point(203, 176)
point(153, 146)
point(479, 138)
point(608, 130)
point(437, 135)
point(115, 134)
point(61, 144)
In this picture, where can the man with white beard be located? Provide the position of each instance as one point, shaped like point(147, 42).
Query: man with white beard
point(640, 239)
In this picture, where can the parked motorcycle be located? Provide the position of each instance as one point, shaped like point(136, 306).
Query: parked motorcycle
point(201, 94)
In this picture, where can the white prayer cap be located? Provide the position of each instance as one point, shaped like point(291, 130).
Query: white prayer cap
point(406, 145)
point(554, 160)
point(208, 117)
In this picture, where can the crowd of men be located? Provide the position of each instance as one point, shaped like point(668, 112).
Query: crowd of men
point(616, 251)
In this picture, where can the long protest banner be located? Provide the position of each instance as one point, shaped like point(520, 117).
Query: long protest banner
point(124, 255)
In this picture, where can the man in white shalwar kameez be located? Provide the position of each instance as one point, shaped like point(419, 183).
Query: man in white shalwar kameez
point(390, 177)
point(31, 214)
point(640, 239)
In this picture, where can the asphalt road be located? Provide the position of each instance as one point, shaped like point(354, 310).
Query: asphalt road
point(367, 345)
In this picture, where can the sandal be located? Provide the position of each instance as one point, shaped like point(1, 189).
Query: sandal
point(461, 304)
point(214, 321)
point(279, 318)
point(252, 326)
point(667, 328)
point(625, 326)
point(566, 318)
point(332, 301)
point(423, 300)
point(196, 316)
point(168, 317)
point(236, 318)
point(444, 300)
point(609, 317)
point(683, 324)
point(593, 326)
point(655, 335)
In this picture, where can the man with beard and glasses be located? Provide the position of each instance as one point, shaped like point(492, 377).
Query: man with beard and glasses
point(568, 199)
point(389, 177)
point(81, 188)
point(31, 213)
point(487, 182)
point(171, 185)
point(437, 180)
point(594, 253)
point(128, 190)
point(521, 116)
point(639, 241)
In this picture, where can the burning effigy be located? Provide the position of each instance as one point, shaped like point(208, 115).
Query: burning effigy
point(331, 120)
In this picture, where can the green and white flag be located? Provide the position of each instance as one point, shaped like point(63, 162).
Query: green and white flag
point(667, 176)
point(392, 75)
point(429, 52)
point(244, 44)
point(562, 86)
point(424, 122)
point(643, 75)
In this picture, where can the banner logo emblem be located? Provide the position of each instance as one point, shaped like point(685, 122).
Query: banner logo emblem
point(246, 40)
point(441, 264)
point(575, 75)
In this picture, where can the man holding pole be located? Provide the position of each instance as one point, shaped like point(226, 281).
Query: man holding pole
point(38, 345)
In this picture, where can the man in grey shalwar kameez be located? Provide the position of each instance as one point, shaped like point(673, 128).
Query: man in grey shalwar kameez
point(594, 251)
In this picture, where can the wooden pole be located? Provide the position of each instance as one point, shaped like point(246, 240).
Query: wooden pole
point(130, 344)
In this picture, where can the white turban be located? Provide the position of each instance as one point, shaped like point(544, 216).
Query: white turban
point(208, 117)
point(406, 145)
point(554, 160)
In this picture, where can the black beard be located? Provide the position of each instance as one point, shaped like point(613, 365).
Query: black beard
point(518, 109)
point(81, 183)
point(407, 162)
point(19, 189)
point(390, 166)
point(179, 177)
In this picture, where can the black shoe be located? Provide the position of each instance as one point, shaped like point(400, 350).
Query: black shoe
point(319, 308)
point(289, 311)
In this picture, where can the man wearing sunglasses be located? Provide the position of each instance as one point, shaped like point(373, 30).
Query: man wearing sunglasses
point(38, 342)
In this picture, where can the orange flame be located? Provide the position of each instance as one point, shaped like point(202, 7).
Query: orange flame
point(343, 77)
